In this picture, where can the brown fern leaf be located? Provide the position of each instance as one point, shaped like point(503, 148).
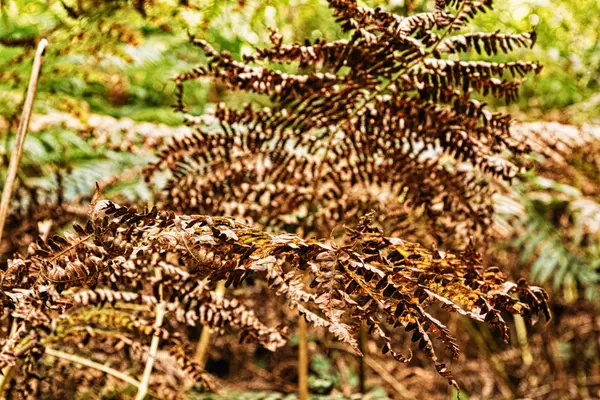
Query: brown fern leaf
point(383, 281)
point(193, 369)
point(373, 278)
point(380, 121)
point(383, 113)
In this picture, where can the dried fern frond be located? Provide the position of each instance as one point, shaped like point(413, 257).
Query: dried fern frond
point(384, 114)
point(490, 43)
point(385, 120)
point(383, 281)
point(193, 369)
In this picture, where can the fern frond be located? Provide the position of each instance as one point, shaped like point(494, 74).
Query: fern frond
point(490, 43)
point(193, 369)
point(337, 140)
point(371, 278)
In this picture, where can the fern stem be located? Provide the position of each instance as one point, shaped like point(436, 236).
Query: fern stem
point(362, 371)
point(302, 359)
point(204, 341)
point(389, 83)
point(398, 387)
point(496, 364)
point(522, 340)
point(160, 315)
point(69, 248)
point(92, 364)
point(15, 159)
point(371, 96)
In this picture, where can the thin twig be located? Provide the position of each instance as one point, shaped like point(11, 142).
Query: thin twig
point(204, 341)
point(92, 364)
point(398, 387)
point(362, 370)
point(15, 159)
point(303, 359)
point(521, 329)
point(160, 315)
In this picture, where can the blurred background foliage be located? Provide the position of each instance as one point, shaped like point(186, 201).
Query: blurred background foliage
point(115, 58)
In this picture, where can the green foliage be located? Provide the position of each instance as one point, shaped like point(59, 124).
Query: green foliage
point(95, 54)
point(124, 69)
point(553, 239)
point(63, 151)
point(568, 46)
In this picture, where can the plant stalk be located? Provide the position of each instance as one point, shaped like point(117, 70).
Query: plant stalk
point(160, 315)
point(202, 347)
point(521, 329)
point(302, 359)
point(92, 364)
point(496, 364)
point(15, 159)
point(362, 368)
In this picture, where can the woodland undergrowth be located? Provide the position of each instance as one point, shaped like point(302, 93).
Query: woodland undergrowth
point(390, 120)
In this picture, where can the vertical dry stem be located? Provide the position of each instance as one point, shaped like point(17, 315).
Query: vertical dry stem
point(496, 364)
point(522, 339)
point(362, 370)
point(160, 315)
point(15, 159)
point(204, 341)
point(302, 359)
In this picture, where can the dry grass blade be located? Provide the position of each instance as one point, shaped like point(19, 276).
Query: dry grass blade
point(92, 364)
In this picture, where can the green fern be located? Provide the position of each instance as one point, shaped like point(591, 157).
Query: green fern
point(66, 152)
point(549, 229)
